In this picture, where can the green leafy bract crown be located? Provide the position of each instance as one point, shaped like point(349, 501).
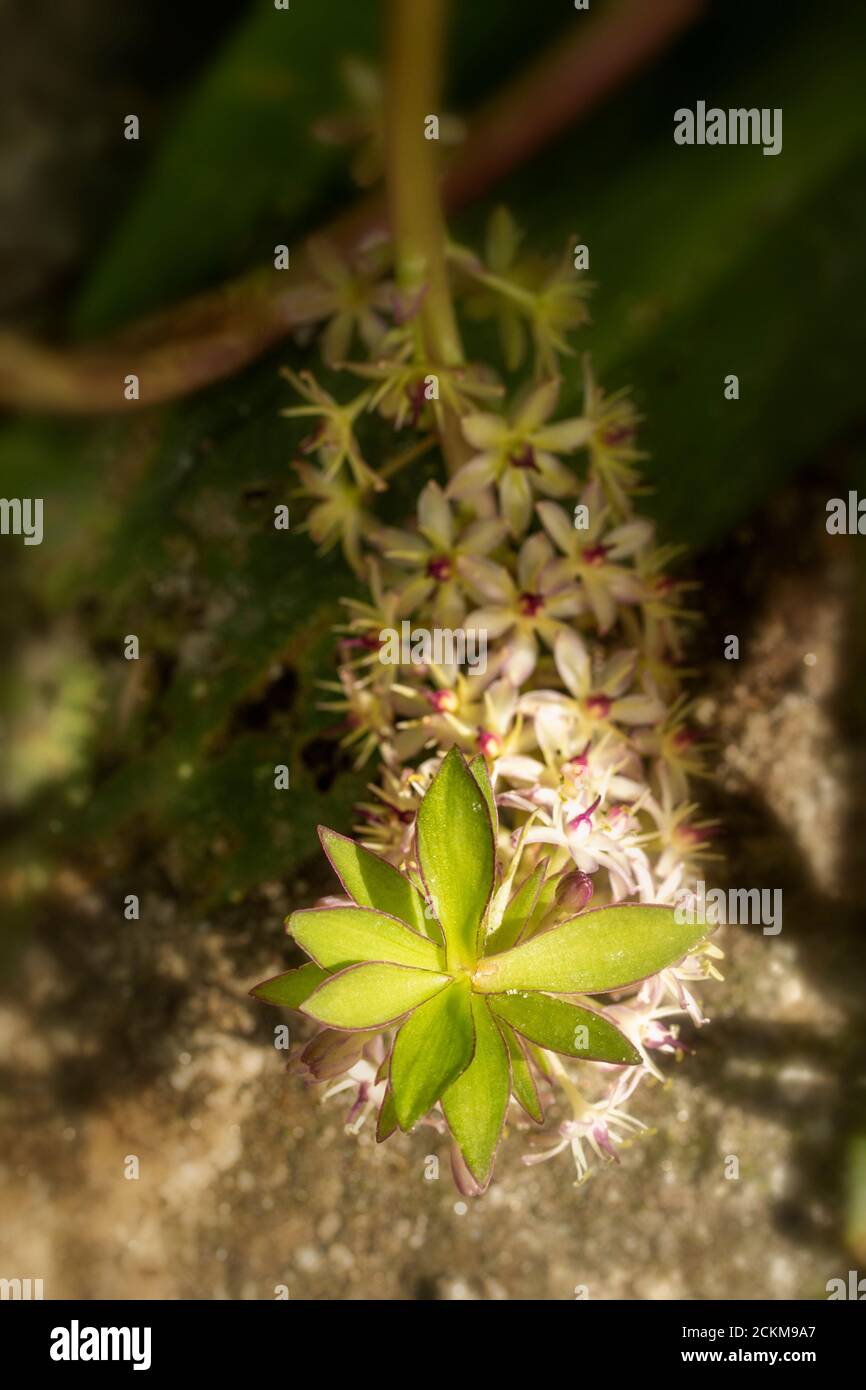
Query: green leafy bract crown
point(457, 966)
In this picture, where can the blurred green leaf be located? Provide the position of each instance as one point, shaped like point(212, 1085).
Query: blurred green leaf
point(241, 167)
point(241, 155)
point(718, 260)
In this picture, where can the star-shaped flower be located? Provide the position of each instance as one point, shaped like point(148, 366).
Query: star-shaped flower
point(592, 553)
point(435, 554)
point(597, 699)
point(533, 605)
point(333, 438)
point(518, 453)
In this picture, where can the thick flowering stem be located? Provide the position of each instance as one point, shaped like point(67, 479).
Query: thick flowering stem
point(413, 81)
point(415, 43)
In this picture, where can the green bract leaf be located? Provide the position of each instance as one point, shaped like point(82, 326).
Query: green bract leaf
point(543, 904)
point(475, 1104)
point(481, 772)
point(431, 1050)
point(564, 1027)
point(522, 1080)
point(455, 852)
point(386, 1121)
point(338, 936)
point(370, 996)
point(517, 913)
point(291, 989)
point(373, 882)
point(602, 949)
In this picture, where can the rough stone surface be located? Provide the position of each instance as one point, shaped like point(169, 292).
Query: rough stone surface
point(141, 1043)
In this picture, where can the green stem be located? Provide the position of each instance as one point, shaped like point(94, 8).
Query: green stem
point(415, 43)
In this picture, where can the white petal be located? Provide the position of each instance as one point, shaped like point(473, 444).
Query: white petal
point(559, 526)
point(573, 663)
point(486, 581)
point(473, 477)
point(534, 555)
point(521, 658)
point(434, 516)
point(485, 431)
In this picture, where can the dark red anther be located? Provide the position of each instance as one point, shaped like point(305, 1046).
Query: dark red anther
point(440, 568)
point(417, 400)
point(530, 604)
point(620, 434)
point(312, 440)
point(525, 459)
point(598, 706)
point(443, 701)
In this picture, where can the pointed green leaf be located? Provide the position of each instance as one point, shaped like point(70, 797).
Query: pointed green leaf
point(431, 1050)
point(603, 949)
point(386, 1120)
point(475, 1104)
point(522, 1081)
point(543, 904)
point(455, 852)
point(517, 914)
point(338, 936)
point(564, 1027)
point(481, 772)
point(540, 1058)
point(373, 882)
point(370, 996)
point(291, 989)
point(503, 891)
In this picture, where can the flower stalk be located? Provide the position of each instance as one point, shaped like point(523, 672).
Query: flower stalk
point(506, 945)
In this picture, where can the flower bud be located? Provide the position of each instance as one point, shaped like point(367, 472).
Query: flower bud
point(574, 891)
point(489, 743)
point(443, 701)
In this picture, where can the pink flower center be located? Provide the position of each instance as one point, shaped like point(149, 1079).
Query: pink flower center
point(694, 834)
point(530, 604)
point(585, 818)
point(440, 568)
point(417, 400)
point(443, 701)
point(618, 434)
point(577, 766)
point(489, 743)
point(595, 554)
point(525, 459)
point(598, 706)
